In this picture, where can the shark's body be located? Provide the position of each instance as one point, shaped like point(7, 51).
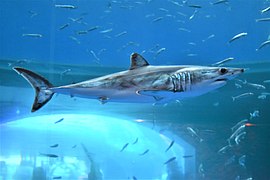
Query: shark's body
point(141, 83)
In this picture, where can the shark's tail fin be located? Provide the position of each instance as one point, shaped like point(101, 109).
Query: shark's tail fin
point(41, 86)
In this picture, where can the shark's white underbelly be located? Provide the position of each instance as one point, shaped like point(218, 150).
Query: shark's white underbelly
point(130, 95)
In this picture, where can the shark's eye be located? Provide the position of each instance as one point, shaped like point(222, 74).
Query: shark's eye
point(223, 70)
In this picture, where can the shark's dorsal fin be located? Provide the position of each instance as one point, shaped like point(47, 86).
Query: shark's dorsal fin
point(137, 61)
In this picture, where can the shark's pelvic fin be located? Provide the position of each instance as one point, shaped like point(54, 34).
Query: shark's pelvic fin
point(41, 86)
point(137, 61)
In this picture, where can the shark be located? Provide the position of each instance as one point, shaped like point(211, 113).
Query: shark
point(141, 83)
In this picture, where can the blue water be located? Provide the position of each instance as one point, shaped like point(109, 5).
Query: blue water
point(165, 32)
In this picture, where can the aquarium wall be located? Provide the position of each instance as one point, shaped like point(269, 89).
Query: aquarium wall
point(147, 89)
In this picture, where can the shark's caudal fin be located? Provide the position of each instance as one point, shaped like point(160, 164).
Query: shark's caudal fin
point(41, 86)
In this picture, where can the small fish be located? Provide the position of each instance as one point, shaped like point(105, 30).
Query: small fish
point(209, 37)
point(95, 56)
point(193, 133)
point(242, 161)
point(64, 26)
point(262, 19)
point(65, 6)
point(60, 120)
point(254, 114)
point(192, 55)
point(106, 31)
point(76, 20)
point(192, 43)
point(169, 147)
point(54, 146)
point(240, 136)
point(57, 177)
point(265, 10)
point(135, 141)
point(82, 32)
point(134, 178)
point(75, 39)
point(240, 123)
point(263, 45)
point(33, 14)
point(195, 6)
point(257, 86)
point(159, 51)
point(124, 147)
point(224, 149)
point(223, 61)
point(192, 16)
point(121, 34)
point(164, 10)
point(49, 155)
point(74, 146)
point(146, 151)
point(219, 2)
point(65, 72)
point(157, 19)
point(262, 96)
point(244, 95)
point(181, 14)
point(230, 160)
point(201, 170)
point(184, 29)
point(187, 156)
point(236, 133)
point(238, 36)
point(238, 85)
point(169, 160)
point(92, 28)
point(176, 3)
point(32, 35)
point(266, 81)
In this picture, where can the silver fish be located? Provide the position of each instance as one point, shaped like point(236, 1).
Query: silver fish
point(146, 151)
point(49, 155)
point(60, 120)
point(257, 86)
point(265, 9)
point(135, 141)
point(169, 147)
point(157, 19)
point(239, 137)
point(224, 149)
point(240, 123)
point(65, 6)
point(220, 2)
point(262, 19)
point(142, 83)
point(121, 34)
point(238, 36)
point(263, 45)
point(193, 133)
point(242, 95)
point(32, 35)
point(223, 61)
point(169, 160)
point(54, 146)
point(124, 147)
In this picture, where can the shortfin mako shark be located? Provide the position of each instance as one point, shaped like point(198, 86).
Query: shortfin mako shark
point(141, 83)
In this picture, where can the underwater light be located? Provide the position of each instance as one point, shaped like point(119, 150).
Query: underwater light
point(119, 148)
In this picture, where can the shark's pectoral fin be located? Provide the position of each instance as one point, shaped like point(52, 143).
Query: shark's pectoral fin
point(137, 61)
